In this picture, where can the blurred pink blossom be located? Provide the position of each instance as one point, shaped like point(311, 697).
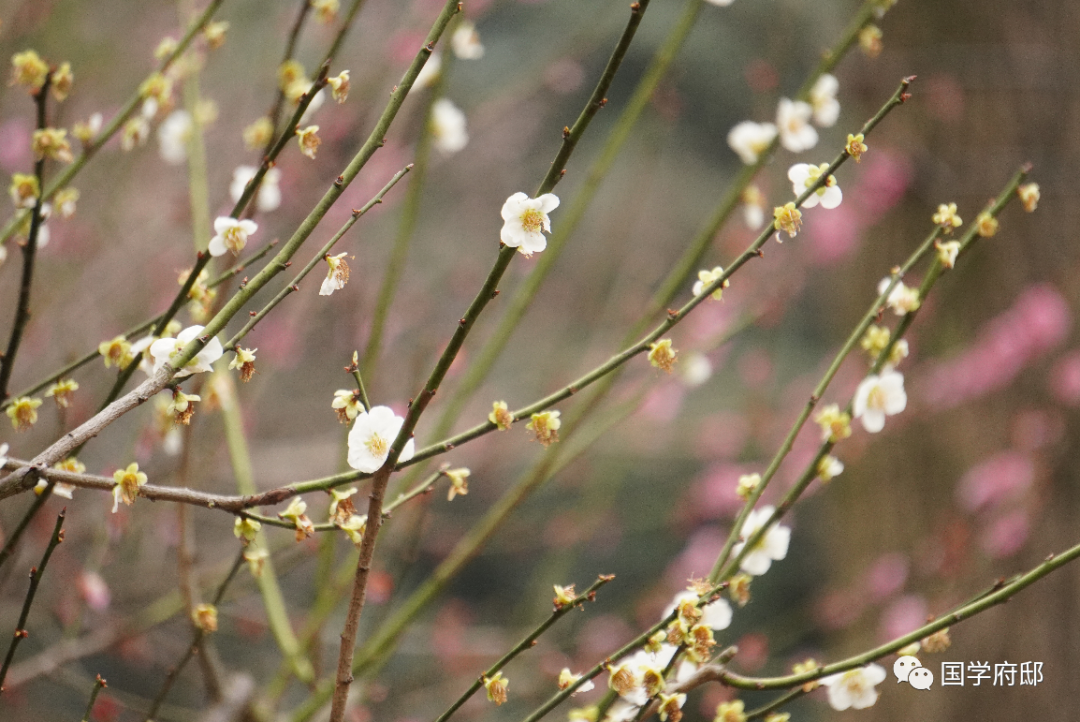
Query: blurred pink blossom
point(834, 234)
point(713, 493)
point(903, 616)
point(887, 576)
point(1038, 321)
point(15, 145)
point(697, 558)
point(885, 177)
point(1065, 379)
point(1000, 478)
point(1006, 535)
point(94, 591)
point(722, 434)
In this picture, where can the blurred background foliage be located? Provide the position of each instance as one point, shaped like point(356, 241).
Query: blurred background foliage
point(975, 481)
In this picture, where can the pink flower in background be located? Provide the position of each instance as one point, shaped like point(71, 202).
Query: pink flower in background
point(885, 178)
point(832, 236)
point(1038, 321)
point(94, 590)
point(697, 558)
point(722, 434)
point(887, 576)
point(713, 493)
point(903, 616)
point(1006, 535)
point(1065, 379)
point(15, 144)
point(1002, 477)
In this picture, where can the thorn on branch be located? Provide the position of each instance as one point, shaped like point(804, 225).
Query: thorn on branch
point(252, 313)
point(672, 314)
point(602, 103)
point(339, 181)
point(356, 212)
point(566, 132)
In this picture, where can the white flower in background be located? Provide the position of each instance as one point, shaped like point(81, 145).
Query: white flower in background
point(854, 689)
point(232, 235)
point(165, 349)
point(525, 220)
point(448, 126)
point(902, 299)
point(430, 72)
point(269, 197)
point(878, 397)
point(337, 274)
point(753, 207)
point(803, 175)
point(772, 547)
point(695, 370)
point(823, 100)
point(173, 136)
point(314, 105)
point(720, 3)
point(621, 711)
point(793, 121)
point(466, 42)
point(371, 436)
point(749, 139)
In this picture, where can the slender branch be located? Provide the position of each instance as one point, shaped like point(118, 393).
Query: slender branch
point(29, 252)
point(776, 704)
point(25, 476)
point(346, 25)
point(35, 580)
point(1002, 595)
point(527, 643)
point(290, 47)
point(808, 475)
point(192, 649)
point(128, 109)
point(13, 540)
point(293, 285)
point(487, 292)
point(569, 219)
point(99, 684)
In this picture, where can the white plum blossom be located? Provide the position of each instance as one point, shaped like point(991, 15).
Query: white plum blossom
point(430, 72)
point(371, 436)
point(448, 126)
point(804, 175)
point(823, 100)
point(232, 235)
point(854, 688)
point(466, 42)
point(902, 299)
point(772, 547)
point(749, 139)
point(3, 454)
point(720, 3)
point(715, 615)
point(173, 136)
point(269, 196)
point(165, 349)
point(793, 122)
point(337, 274)
point(878, 397)
point(525, 220)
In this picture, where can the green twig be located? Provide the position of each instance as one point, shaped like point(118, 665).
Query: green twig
point(99, 684)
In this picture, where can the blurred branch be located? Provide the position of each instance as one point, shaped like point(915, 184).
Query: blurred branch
point(277, 615)
point(487, 292)
point(193, 647)
point(35, 580)
point(99, 684)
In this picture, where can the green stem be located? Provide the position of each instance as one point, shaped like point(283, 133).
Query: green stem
point(277, 615)
point(99, 684)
